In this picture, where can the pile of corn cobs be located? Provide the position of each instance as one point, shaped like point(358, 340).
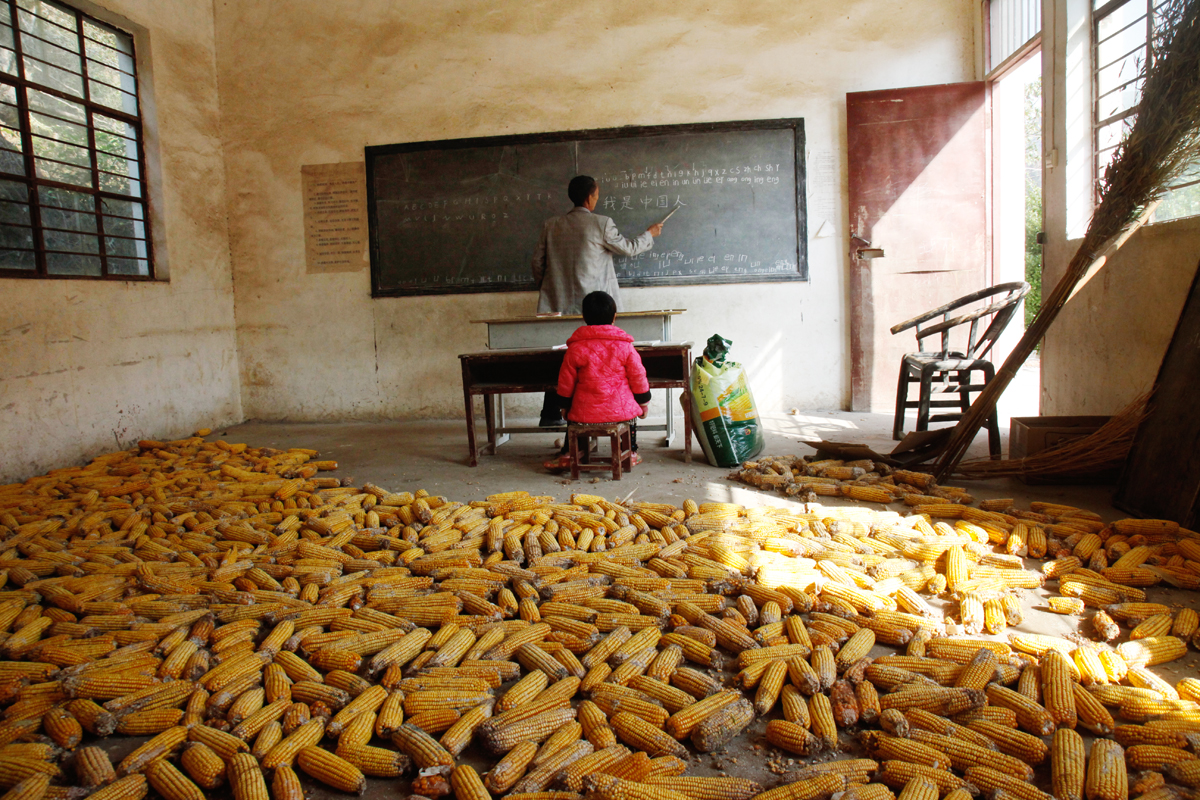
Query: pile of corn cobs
point(260, 622)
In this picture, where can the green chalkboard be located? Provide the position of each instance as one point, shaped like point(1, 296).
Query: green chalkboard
point(464, 215)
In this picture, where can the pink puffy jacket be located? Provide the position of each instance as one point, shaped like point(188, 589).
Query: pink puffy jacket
point(601, 372)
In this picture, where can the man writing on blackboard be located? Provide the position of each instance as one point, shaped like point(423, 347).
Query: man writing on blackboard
point(574, 257)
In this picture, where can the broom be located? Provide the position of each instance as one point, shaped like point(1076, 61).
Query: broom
point(1104, 449)
point(1163, 142)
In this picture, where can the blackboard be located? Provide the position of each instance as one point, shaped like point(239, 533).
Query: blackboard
point(1161, 478)
point(464, 215)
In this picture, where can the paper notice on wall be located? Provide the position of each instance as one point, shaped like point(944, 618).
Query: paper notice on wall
point(335, 217)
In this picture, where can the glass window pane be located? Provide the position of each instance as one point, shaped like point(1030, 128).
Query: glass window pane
point(66, 264)
point(109, 37)
point(120, 185)
point(71, 242)
point(1121, 72)
point(14, 192)
point(64, 173)
point(10, 139)
point(119, 226)
point(52, 128)
point(51, 53)
point(55, 78)
point(1121, 17)
point(14, 213)
point(56, 106)
point(8, 54)
point(61, 151)
point(9, 116)
point(16, 236)
point(120, 166)
point(65, 199)
point(51, 32)
point(126, 266)
point(68, 220)
point(127, 248)
point(49, 12)
point(107, 96)
point(121, 208)
point(17, 259)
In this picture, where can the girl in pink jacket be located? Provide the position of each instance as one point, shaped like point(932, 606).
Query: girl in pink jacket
point(602, 378)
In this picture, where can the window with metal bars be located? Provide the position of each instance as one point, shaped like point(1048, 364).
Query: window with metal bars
point(1011, 26)
point(1123, 34)
point(72, 166)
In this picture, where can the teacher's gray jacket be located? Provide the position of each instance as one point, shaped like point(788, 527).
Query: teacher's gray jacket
point(574, 258)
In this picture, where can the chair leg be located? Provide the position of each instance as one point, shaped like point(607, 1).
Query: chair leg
point(901, 403)
point(964, 397)
point(615, 443)
point(989, 372)
point(573, 443)
point(924, 400)
point(627, 450)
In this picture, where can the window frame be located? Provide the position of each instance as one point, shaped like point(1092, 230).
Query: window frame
point(1098, 13)
point(21, 85)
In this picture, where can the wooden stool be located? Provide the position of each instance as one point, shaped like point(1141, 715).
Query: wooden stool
point(618, 433)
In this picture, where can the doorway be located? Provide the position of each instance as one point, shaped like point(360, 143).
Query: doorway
point(1017, 214)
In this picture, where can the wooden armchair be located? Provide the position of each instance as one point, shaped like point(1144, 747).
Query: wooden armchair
point(944, 375)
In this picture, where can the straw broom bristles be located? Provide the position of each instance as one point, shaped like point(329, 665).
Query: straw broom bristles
point(1104, 449)
point(1163, 142)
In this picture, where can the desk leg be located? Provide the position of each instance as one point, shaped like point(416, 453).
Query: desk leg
point(685, 400)
point(472, 452)
point(670, 438)
point(501, 421)
point(489, 411)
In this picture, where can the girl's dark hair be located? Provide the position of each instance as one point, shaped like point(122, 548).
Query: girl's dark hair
point(599, 309)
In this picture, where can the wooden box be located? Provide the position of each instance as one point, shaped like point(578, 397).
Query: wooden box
point(1032, 435)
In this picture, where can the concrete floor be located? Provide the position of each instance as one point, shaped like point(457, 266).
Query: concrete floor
point(433, 455)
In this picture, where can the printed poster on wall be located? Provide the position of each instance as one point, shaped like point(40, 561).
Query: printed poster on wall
point(335, 217)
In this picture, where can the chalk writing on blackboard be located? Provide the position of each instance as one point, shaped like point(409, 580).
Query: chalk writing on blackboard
point(465, 215)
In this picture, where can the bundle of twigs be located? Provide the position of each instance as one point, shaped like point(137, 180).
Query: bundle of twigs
point(1163, 142)
point(1105, 449)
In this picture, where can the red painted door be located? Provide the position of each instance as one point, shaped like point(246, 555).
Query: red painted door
point(918, 189)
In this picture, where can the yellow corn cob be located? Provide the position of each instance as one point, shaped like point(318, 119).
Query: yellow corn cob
point(820, 712)
point(817, 788)
point(1066, 605)
point(331, 769)
point(964, 753)
point(883, 747)
point(161, 745)
point(770, 686)
point(898, 773)
point(1057, 693)
point(92, 768)
point(267, 738)
point(1153, 650)
point(203, 765)
point(639, 734)
point(708, 788)
point(35, 787)
point(920, 789)
point(150, 722)
point(467, 785)
point(134, 787)
point(61, 726)
point(459, 735)
point(511, 767)
point(1028, 748)
point(992, 781)
point(171, 783)
point(1030, 716)
point(1091, 713)
point(308, 734)
point(717, 729)
point(246, 779)
point(1067, 764)
point(1106, 776)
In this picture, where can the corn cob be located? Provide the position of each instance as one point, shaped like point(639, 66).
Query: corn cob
point(818, 788)
point(639, 734)
point(1028, 748)
point(1092, 715)
point(92, 768)
point(331, 769)
point(990, 780)
point(1030, 716)
point(134, 787)
point(717, 729)
point(171, 783)
point(1106, 776)
point(246, 779)
point(203, 765)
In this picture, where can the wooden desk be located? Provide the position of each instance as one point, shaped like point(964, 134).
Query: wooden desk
point(535, 369)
